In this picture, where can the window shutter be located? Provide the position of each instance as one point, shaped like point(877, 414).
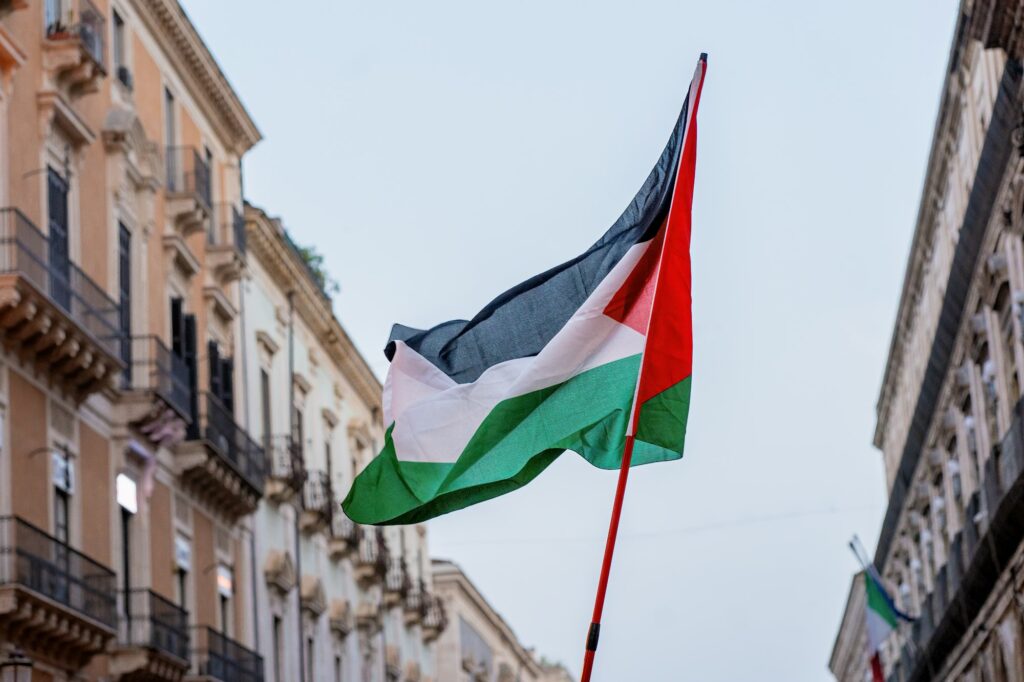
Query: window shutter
point(213, 355)
point(178, 327)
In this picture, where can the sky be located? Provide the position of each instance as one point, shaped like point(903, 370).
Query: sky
point(438, 153)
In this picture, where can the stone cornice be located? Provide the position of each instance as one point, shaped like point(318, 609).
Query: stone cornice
point(448, 573)
point(935, 176)
point(267, 243)
point(181, 42)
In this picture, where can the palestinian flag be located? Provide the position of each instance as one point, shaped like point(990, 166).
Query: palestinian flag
point(478, 408)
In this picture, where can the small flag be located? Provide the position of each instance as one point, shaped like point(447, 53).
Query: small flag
point(881, 616)
point(475, 409)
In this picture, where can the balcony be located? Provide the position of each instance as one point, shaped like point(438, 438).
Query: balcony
point(155, 390)
point(414, 603)
point(153, 643)
point(372, 559)
point(435, 618)
point(74, 50)
point(220, 461)
point(216, 657)
point(189, 190)
point(52, 315)
point(55, 603)
point(226, 247)
point(286, 468)
point(396, 582)
point(991, 535)
point(317, 503)
point(344, 540)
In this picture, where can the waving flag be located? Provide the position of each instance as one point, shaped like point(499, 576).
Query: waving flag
point(478, 408)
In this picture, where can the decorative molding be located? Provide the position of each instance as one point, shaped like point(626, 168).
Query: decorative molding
point(267, 244)
point(190, 57)
point(279, 571)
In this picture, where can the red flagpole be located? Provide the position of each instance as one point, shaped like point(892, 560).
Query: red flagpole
point(609, 550)
point(687, 160)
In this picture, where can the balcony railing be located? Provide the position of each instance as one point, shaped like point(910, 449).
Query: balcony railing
point(155, 623)
point(317, 496)
point(188, 173)
point(991, 534)
point(435, 618)
point(372, 560)
point(40, 562)
point(153, 367)
point(87, 25)
point(285, 460)
point(224, 659)
point(216, 426)
point(397, 578)
point(231, 228)
point(25, 251)
point(344, 528)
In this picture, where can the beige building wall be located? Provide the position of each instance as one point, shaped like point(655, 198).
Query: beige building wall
point(88, 357)
point(477, 645)
point(331, 605)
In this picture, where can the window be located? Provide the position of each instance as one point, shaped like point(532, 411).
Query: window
point(181, 577)
point(265, 408)
point(278, 652)
point(124, 285)
point(60, 260)
point(54, 17)
point(297, 432)
point(170, 137)
point(310, 650)
point(121, 69)
point(61, 515)
point(225, 592)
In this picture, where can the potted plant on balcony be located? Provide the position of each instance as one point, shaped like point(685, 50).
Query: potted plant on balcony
point(59, 30)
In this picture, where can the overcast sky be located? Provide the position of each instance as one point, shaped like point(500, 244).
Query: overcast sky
point(440, 152)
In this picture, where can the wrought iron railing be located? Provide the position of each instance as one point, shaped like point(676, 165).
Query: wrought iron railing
point(87, 25)
point(153, 367)
point(285, 461)
point(344, 528)
point(216, 655)
point(188, 173)
point(26, 251)
point(434, 615)
point(154, 622)
point(373, 549)
point(317, 496)
point(415, 597)
point(217, 427)
point(397, 577)
point(40, 562)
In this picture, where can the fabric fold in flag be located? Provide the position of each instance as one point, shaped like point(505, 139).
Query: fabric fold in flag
point(478, 408)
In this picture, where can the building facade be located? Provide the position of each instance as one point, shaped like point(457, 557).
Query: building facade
point(950, 414)
point(340, 601)
point(179, 409)
point(478, 645)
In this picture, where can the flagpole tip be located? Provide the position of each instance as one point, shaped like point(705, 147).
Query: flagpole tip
point(703, 56)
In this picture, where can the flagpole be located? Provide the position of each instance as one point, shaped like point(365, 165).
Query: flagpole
point(609, 550)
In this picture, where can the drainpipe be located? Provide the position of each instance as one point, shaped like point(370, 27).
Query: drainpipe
point(298, 507)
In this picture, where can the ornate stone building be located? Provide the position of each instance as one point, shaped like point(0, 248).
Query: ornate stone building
point(179, 409)
point(340, 601)
point(478, 645)
point(950, 414)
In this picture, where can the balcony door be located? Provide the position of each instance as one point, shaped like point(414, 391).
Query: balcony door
point(124, 285)
point(60, 260)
